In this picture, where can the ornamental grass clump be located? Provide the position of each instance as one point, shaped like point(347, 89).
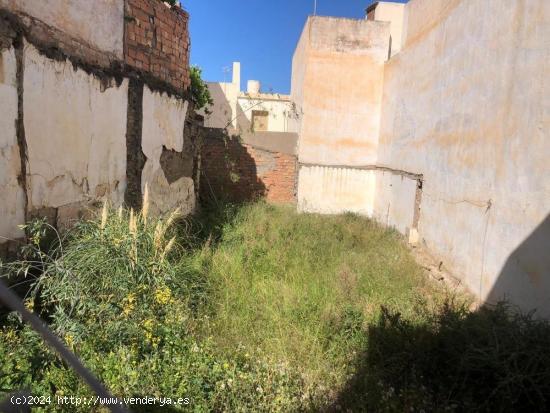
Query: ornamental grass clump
point(124, 296)
point(119, 267)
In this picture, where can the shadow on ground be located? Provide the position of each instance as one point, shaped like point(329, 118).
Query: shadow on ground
point(493, 360)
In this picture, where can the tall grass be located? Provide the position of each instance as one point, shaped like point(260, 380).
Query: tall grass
point(259, 308)
point(303, 288)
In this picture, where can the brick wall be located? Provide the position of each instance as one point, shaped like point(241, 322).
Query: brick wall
point(238, 172)
point(156, 40)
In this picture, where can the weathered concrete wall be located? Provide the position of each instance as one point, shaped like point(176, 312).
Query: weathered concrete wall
point(12, 201)
point(341, 75)
point(329, 190)
point(168, 171)
point(75, 129)
point(467, 104)
point(337, 82)
point(104, 32)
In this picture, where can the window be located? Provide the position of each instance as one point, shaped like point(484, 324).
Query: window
point(259, 120)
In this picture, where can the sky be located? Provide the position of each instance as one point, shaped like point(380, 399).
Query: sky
point(261, 34)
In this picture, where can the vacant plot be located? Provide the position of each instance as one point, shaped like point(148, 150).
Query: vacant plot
point(259, 308)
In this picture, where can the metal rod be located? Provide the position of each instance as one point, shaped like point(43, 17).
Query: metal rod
point(11, 300)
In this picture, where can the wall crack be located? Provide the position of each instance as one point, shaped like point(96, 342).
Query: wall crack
point(20, 123)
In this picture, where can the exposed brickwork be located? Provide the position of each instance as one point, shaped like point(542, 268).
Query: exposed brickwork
point(238, 172)
point(156, 40)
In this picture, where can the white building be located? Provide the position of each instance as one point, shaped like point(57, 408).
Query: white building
point(250, 111)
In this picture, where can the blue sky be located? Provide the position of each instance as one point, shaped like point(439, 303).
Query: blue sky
point(261, 34)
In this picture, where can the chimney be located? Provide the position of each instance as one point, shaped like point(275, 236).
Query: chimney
point(237, 74)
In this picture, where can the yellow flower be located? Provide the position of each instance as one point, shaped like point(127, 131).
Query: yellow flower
point(11, 336)
point(163, 295)
point(129, 304)
point(148, 324)
point(29, 304)
point(69, 339)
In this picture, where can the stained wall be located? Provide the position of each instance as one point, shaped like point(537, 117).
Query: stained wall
point(12, 195)
point(74, 19)
point(467, 105)
point(79, 127)
point(168, 170)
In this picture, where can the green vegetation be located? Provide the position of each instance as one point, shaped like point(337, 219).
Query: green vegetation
point(199, 90)
point(259, 308)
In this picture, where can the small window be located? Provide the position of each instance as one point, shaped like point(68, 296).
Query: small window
point(259, 120)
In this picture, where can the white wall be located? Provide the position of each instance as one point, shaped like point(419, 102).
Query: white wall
point(224, 110)
point(329, 190)
point(12, 195)
point(393, 13)
point(75, 134)
point(467, 104)
point(163, 125)
point(99, 23)
point(279, 112)
point(394, 200)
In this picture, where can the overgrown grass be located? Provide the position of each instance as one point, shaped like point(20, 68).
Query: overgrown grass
point(303, 288)
point(259, 308)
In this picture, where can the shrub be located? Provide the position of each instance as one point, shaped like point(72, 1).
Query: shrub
point(199, 90)
point(121, 292)
point(494, 359)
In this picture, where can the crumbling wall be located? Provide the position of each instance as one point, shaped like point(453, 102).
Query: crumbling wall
point(233, 170)
point(12, 201)
point(74, 129)
point(466, 104)
point(168, 171)
point(96, 24)
point(80, 126)
point(157, 41)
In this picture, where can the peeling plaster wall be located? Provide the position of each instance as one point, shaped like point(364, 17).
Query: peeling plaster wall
point(467, 104)
point(75, 132)
point(73, 18)
point(329, 190)
point(163, 126)
point(12, 201)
